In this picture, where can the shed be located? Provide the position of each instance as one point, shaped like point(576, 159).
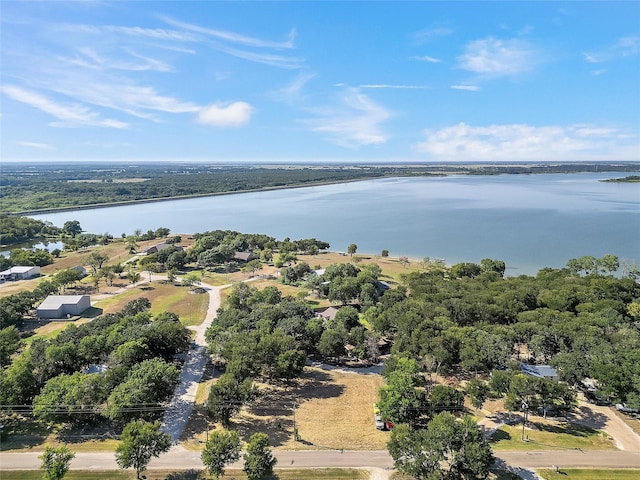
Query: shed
point(160, 247)
point(244, 256)
point(20, 273)
point(540, 371)
point(63, 306)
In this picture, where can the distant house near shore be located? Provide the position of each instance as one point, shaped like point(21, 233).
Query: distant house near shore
point(63, 306)
point(20, 273)
point(540, 371)
point(159, 247)
point(244, 256)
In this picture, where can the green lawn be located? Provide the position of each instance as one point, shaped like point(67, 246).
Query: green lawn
point(551, 436)
point(590, 474)
point(310, 474)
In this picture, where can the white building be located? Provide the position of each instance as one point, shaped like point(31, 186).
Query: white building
point(20, 273)
point(63, 306)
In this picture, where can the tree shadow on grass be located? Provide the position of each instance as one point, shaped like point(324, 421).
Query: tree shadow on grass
point(499, 435)
point(91, 312)
point(574, 430)
point(587, 416)
point(187, 475)
point(273, 410)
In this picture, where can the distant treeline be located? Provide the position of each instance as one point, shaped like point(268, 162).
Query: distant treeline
point(629, 179)
point(30, 188)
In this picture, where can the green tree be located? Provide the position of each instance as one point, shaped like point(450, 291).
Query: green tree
point(96, 259)
point(134, 277)
point(72, 228)
point(253, 266)
point(478, 392)
point(55, 462)
point(222, 448)
point(226, 397)
point(258, 459)
point(151, 381)
point(67, 277)
point(191, 279)
point(140, 441)
point(446, 449)
point(384, 253)
point(9, 343)
point(352, 248)
point(132, 244)
point(400, 400)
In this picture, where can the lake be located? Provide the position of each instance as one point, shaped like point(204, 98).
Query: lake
point(529, 221)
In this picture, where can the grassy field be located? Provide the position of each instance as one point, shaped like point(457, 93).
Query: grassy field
point(333, 410)
point(288, 474)
point(590, 474)
point(547, 435)
point(190, 307)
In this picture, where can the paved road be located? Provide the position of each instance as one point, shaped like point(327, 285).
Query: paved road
point(181, 459)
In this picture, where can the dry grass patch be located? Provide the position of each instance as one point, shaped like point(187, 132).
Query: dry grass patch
point(543, 435)
point(334, 410)
point(164, 297)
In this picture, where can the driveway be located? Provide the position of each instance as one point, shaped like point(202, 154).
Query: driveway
point(184, 396)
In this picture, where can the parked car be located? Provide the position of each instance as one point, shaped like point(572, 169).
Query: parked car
point(622, 407)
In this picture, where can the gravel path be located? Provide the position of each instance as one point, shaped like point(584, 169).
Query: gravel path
point(184, 396)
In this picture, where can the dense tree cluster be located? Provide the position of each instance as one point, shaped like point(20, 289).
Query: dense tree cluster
point(581, 319)
point(69, 185)
point(135, 350)
point(259, 333)
point(16, 229)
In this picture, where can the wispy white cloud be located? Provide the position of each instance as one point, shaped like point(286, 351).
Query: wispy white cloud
point(149, 33)
point(426, 58)
point(274, 60)
point(71, 115)
point(353, 122)
point(292, 92)
point(623, 47)
point(398, 87)
point(469, 88)
point(232, 36)
point(493, 57)
point(39, 146)
point(233, 114)
point(520, 142)
point(88, 58)
point(429, 34)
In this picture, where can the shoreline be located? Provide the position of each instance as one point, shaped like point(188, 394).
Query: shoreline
point(190, 196)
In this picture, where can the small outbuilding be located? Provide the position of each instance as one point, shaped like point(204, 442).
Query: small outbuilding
point(540, 371)
point(244, 257)
point(20, 273)
point(63, 306)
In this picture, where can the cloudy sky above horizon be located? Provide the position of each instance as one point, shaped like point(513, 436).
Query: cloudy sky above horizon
point(320, 81)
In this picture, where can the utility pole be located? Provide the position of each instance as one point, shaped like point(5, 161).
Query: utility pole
point(525, 407)
point(295, 429)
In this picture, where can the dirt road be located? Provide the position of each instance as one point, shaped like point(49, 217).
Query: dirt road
point(177, 415)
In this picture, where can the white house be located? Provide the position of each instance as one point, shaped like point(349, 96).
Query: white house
point(63, 306)
point(20, 273)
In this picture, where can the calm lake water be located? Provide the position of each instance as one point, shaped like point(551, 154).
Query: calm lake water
point(529, 221)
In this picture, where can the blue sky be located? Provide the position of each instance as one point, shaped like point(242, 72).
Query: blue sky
point(320, 81)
